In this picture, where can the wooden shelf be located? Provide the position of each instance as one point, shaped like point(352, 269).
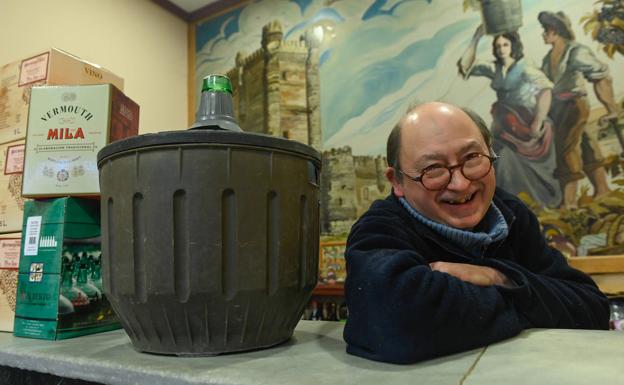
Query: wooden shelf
point(598, 264)
point(332, 289)
point(607, 271)
point(610, 284)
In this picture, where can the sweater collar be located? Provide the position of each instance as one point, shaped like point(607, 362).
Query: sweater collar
point(492, 228)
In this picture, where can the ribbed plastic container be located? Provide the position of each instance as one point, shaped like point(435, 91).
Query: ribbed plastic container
point(209, 238)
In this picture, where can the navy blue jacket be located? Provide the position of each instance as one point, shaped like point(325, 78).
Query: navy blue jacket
point(401, 311)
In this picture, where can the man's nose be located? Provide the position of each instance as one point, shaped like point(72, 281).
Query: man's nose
point(458, 180)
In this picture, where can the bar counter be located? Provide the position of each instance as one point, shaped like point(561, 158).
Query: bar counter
point(316, 355)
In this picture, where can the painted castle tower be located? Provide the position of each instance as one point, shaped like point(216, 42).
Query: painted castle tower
point(276, 91)
point(349, 184)
point(288, 73)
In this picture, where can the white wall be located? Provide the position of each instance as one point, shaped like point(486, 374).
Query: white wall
point(135, 39)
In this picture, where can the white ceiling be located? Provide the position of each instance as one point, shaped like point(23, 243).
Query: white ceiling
point(192, 5)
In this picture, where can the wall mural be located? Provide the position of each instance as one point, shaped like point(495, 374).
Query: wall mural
point(338, 74)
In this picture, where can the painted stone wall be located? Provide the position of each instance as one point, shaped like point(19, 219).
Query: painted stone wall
point(339, 75)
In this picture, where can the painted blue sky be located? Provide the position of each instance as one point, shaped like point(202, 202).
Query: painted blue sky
point(380, 56)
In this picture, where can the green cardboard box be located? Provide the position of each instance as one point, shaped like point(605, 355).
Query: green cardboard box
point(59, 288)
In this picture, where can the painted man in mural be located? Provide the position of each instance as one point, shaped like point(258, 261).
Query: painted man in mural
point(449, 262)
point(522, 131)
point(567, 64)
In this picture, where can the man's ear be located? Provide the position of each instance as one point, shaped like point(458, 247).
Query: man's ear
point(397, 186)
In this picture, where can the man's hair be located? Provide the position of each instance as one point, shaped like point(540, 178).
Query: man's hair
point(556, 29)
point(483, 128)
point(558, 23)
point(393, 146)
point(517, 49)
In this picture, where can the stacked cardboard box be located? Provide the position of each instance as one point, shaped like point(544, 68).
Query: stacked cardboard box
point(59, 292)
point(47, 88)
point(50, 67)
point(46, 68)
point(9, 259)
point(11, 211)
point(67, 126)
point(11, 201)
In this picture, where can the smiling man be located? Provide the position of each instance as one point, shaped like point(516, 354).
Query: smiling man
point(448, 262)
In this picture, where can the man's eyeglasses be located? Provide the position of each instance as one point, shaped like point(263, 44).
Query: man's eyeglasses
point(436, 177)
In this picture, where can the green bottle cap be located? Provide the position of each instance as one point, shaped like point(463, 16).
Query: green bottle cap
point(217, 83)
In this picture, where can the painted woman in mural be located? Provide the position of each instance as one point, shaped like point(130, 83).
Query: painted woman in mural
point(522, 130)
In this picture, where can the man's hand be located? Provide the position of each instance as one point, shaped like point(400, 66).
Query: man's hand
point(477, 275)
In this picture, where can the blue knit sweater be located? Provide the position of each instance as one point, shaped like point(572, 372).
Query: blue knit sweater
point(492, 228)
point(402, 311)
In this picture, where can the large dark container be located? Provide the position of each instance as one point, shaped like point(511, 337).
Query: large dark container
point(500, 16)
point(209, 238)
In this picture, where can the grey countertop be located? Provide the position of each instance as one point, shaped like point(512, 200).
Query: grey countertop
point(316, 355)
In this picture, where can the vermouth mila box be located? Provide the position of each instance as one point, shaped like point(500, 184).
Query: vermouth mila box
point(51, 67)
point(59, 289)
point(67, 126)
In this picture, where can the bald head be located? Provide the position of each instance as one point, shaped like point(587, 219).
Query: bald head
point(437, 137)
point(430, 117)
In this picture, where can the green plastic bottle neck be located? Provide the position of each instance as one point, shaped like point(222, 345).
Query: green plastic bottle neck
point(217, 83)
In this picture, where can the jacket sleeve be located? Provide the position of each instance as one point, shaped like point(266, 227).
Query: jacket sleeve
point(401, 311)
point(551, 294)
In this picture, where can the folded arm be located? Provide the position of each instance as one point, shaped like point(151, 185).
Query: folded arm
point(404, 307)
point(402, 311)
point(551, 293)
